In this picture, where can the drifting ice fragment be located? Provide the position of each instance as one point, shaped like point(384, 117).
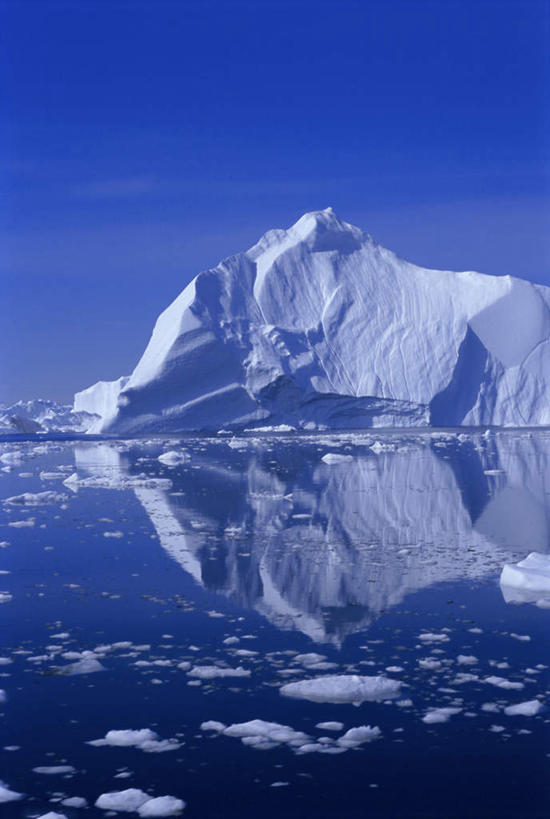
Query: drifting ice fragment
point(341, 688)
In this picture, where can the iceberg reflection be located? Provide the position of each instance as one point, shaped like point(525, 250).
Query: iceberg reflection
point(324, 548)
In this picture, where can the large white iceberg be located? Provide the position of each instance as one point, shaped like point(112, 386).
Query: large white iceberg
point(320, 325)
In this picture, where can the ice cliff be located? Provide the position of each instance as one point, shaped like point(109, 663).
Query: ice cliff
point(320, 326)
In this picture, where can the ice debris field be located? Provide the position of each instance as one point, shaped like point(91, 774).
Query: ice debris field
point(260, 621)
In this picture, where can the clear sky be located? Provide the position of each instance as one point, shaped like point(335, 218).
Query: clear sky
point(144, 141)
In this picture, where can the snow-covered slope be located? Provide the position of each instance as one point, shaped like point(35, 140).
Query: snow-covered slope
point(319, 325)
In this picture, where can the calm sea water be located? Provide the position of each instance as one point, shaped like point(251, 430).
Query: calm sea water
point(249, 554)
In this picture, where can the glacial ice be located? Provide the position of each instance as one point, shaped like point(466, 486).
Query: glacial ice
point(318, 326)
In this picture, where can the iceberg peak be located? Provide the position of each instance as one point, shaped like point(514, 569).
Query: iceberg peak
point(318, 325)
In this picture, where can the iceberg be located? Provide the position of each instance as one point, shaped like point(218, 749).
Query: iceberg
point(319, 326)
point(41, 415)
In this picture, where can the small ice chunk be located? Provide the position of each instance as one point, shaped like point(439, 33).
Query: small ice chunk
point(309, 659)
point(431, 637)
point(125, 738)
point(162, 806)
point(213, 725)
point(336, 458)
point(440, 715)
point(501, 682)
point(7, 795)
point(128, 801)
point(211, 672)
point(330, 726)
point(173, 458)
point(466, 659)
point(342, 688)
point(357, 736)
point(524, 709)
point(36, 498)
point(75, 802)
point(53, 770)
point(159, 746)
point(52, 815)
point(429, 664)
point(88, 665)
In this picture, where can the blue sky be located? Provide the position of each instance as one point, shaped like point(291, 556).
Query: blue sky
point(144, 141)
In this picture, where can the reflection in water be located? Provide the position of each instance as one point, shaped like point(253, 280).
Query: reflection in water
point(325, 548)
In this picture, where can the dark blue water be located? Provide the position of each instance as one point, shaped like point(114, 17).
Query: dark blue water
point(358, 560)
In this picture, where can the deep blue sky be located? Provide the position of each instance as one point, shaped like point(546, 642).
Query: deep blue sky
point(147, 140)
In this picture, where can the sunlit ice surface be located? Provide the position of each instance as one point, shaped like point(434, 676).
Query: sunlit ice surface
point(330, 625)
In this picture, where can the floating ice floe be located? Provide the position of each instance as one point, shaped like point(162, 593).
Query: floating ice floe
point(213, 725)
point(172, 458)
point(524, 709)
point(54, 770)
point(440, 715)
point(125, 738)
point(116, 480)
point(430, 637)
point(357, 736)
point(133, 800)
point(7, 795)
point(36, 498)
point(89, 665)
point(162, 806)
point(527, 581)
point(336, 458)
point(143, 738)
point(502, 682)
point(52, 815)
point(75, 802)
point(127, 801)
point(466, 659)
point(330, 726)
point(261, 735)
point(211, 672)
point(342, 688)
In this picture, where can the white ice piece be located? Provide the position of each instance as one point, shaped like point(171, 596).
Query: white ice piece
point(530, 708)
point(127, 801)
point(162, 806)
point(342, 688)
